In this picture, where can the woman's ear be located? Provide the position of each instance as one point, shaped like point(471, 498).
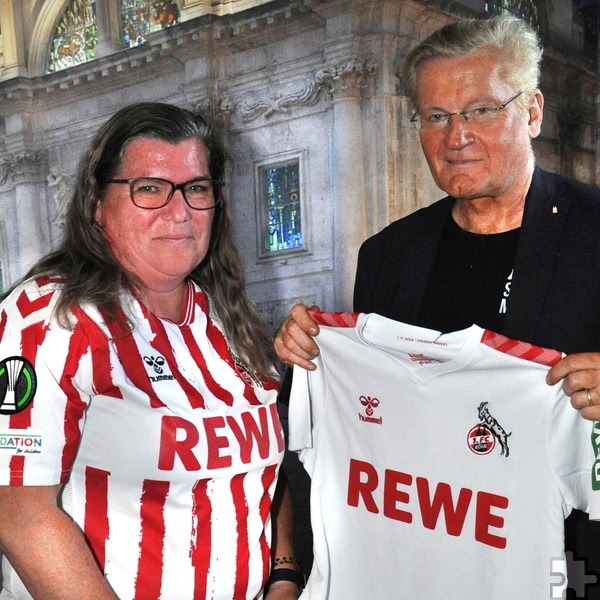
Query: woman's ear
point(98, 214)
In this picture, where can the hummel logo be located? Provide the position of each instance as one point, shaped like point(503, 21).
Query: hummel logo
point(157, 362)
point(370, 405)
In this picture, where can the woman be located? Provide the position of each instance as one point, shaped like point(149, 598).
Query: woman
point(137, 386)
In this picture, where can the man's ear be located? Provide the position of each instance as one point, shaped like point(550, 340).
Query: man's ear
point(536, 113)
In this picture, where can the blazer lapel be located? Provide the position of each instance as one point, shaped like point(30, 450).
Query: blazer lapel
point(545, 214)
point(415, 261)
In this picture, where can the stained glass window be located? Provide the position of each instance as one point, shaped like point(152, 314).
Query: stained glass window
point(280, 186)
point(525, 9)
point(141, 17)
point(75, 37)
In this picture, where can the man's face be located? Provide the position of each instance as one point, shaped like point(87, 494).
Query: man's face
point(467, 160)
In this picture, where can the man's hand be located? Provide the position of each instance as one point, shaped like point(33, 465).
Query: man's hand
point(581, 382)
point(294, 344)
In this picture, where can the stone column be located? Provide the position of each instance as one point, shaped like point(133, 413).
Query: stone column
point(195, 8)
point(109, 36)
point(30, 226)
point(13, 42)
point(345, 84)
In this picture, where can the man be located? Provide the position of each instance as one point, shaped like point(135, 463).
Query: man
point(512, 248)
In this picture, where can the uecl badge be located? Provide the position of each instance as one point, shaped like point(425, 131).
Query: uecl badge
point(18, 384)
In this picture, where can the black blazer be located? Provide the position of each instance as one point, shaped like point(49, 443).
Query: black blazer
point(554, 300)
point(555, 292)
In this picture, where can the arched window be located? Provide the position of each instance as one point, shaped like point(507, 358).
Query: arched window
point(525, 9)
point(141, 17)
point(75, 37)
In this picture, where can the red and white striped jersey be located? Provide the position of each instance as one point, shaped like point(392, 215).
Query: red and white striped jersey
point(442, 466)
point(168, 450)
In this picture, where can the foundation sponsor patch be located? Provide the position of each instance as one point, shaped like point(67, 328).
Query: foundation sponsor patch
point(20, 441)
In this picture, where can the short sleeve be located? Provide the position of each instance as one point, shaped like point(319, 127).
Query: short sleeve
point(41, 408)
point(571, 454)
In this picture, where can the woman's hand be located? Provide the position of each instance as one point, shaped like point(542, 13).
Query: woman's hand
point(283, 590)
point(294, 343)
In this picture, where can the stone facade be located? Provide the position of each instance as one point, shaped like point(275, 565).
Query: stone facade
point(312, 80)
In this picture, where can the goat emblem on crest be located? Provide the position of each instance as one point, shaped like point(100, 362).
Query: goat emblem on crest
point(490, 423)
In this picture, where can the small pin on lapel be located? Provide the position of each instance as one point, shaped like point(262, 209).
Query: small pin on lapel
point(554, 210)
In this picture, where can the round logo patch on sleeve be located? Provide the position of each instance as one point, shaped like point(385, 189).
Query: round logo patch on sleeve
point(17, 384)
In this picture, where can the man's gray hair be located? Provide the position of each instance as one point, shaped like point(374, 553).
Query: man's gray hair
point(518, 43)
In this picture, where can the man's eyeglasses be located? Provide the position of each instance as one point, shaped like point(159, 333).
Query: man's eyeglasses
point(479, 115)
point(153, 192)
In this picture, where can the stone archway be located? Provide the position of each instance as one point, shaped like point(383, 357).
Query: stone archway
point(43, 30)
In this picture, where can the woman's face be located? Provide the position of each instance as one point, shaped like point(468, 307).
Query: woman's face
point(159, 246)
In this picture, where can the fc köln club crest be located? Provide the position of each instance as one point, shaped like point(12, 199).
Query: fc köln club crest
point(482, 438)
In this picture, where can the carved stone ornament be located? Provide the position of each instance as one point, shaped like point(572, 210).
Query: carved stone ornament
point(203, 106)
point(62, 185)
point(20, 163)
point(305, 96)
point(351, 75)
point(226, 105)
point(218, 109)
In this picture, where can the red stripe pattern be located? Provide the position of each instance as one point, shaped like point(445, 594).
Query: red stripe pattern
point(335, 319)
point(168, 449)
point(201, 539)
point(243, 550)
point(150, 563)
point(519, 349)
point(96, 525)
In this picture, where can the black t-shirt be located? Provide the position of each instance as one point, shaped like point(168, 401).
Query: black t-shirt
point(470, 280)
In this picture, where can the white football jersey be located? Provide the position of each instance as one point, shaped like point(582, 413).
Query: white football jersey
point(442, 466)
point(167, 448)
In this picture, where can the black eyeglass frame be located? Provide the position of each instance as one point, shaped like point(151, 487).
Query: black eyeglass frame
point(464, 113)
point(174, 187)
